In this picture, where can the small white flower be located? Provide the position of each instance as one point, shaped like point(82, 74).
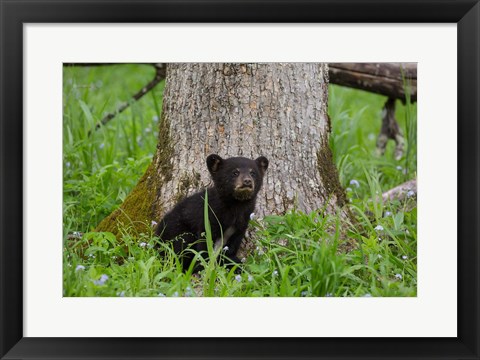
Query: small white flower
point(399, 168)
point(79, 267)
point(367, 295)
point(398, 276)
point(77, 234)
point(304, 293)
point(67, 164)
point(147, 130)
point(175, 294)
point(154, 223)
point(155, 118)
point(250, 278)
point(252, 216)
point(238, 278)
point(275, 273)
point(355, 183)
point(388, 213)
point(225, 248)
point(379, 228)
point(329, 295)
point(349, 189)
point(142, 244)
point(404, 257)
point(410, 193)
point(121, 294)
point(243, 260)
point(161, 295)
point(102, 145)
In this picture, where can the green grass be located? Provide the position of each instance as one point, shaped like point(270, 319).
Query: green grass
point(101, 169)
point(295, 255)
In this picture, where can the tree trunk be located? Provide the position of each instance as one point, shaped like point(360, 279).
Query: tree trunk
point(275, 110)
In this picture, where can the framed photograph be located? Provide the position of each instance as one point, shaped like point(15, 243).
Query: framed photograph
point(99, 100)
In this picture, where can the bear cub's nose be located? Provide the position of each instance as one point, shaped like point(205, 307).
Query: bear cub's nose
point(247, 182)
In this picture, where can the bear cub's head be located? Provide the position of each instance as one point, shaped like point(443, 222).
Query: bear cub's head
point(237, 178)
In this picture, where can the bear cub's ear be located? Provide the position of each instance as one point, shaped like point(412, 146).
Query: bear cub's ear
point(262, 163)
point(213, 163)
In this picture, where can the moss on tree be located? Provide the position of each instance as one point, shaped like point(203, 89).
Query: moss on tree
point(136, 212)
point(141, 206)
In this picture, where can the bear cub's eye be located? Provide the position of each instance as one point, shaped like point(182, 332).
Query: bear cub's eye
point(253, 173)
point(235, 173)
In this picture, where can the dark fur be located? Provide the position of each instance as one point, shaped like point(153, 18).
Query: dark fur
point(232, 199)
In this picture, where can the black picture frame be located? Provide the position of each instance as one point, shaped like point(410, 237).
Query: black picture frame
point(14, 13)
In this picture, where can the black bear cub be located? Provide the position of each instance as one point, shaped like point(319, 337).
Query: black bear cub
point(231, 200)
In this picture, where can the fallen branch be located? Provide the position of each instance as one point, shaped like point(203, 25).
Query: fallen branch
point(401, 192)
point(395, 80)
point(160, 73)
point(380, 78)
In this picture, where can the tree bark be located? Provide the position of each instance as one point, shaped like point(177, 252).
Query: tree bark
point(275, 110)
